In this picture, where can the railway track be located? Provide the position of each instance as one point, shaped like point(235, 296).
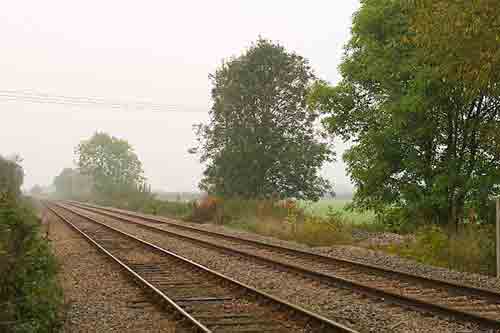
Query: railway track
point(209, 301)
point(462, 302)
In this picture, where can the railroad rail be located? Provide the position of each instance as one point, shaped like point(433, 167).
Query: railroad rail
point(208, 300)
point(458, 301)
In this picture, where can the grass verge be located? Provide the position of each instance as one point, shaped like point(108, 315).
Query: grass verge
point(470, 249)
point(282, 220)
point(328, 223)
point(30, 296)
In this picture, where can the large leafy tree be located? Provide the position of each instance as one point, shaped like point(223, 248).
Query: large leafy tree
point(424, 142)
point(111, 163)
point(261, 139)
point(463, 34)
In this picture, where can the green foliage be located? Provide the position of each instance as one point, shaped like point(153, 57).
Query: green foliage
point(29, 290)
point(111, 163)
point(177, 196)
point(471, 249)
point(423, 145)
point(313, 231)
point(261, 140)
point(175, 209)
point(151, 205)
point(11, 178)
point(325, 207)
point(71, 184)
point(64, 183)
point(238, 209)
point(30, 296)
point(464, 35)
point(274, 219)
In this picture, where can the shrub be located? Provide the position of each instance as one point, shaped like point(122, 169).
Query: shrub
point(238, 209)
point(281, 219)
point(11, 179)
point(286, 221)
point(316, 231)
point(470, 249)
point(30, 297)
point(172, 209)
point(146, 202)
point(206, 209)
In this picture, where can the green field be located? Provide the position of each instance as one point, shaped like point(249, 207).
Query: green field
point(322, 207)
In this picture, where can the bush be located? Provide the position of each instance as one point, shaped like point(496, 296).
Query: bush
point(285, 220)
point(147, 203)
point(11, 179)
point(174, 209)
point(206, 209)
point(281, 219)
point(30, 297)
point(316, 231)
point(471, 249)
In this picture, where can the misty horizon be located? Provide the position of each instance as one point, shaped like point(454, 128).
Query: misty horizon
point(150, 54)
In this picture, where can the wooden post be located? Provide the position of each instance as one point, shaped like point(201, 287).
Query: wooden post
point(498, 237)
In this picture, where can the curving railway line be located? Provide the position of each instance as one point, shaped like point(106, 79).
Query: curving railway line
point(207, 300)
point(460, 302)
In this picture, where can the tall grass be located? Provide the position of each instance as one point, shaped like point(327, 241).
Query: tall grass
point(263, 217)
point(326, 207)
point(282, 221)
point(329, 223)
point(30, 296)
point(470, 249)
point(148, 204)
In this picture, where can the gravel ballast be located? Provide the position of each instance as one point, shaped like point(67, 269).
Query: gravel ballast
point(98, 297)
point(363, 313)
point(363, 255)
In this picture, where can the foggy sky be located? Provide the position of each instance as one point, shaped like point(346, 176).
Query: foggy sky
point(158, 51)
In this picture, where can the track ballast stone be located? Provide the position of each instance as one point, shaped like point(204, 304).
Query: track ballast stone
point(353, 309)
point(98, 297)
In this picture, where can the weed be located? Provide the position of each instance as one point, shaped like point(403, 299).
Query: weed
point(287, 222)
point(30, 296)
point(471, 249)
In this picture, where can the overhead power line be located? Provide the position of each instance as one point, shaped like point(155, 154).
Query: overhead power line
point(34, 97)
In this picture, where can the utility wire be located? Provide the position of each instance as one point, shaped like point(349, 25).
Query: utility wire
point(34, 97)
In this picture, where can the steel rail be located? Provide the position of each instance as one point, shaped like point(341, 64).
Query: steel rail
point(312, 255)
point(328, 324)
point(145, 284)
point(396, 297)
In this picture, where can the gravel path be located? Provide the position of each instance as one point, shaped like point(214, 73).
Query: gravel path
point(98, 297)
point(363, 313)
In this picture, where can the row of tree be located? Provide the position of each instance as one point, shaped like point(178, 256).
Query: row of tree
point(108, 169)
point(419, 100)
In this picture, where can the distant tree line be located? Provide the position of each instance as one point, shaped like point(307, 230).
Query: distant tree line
point(71, 184)
point(108, 171)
